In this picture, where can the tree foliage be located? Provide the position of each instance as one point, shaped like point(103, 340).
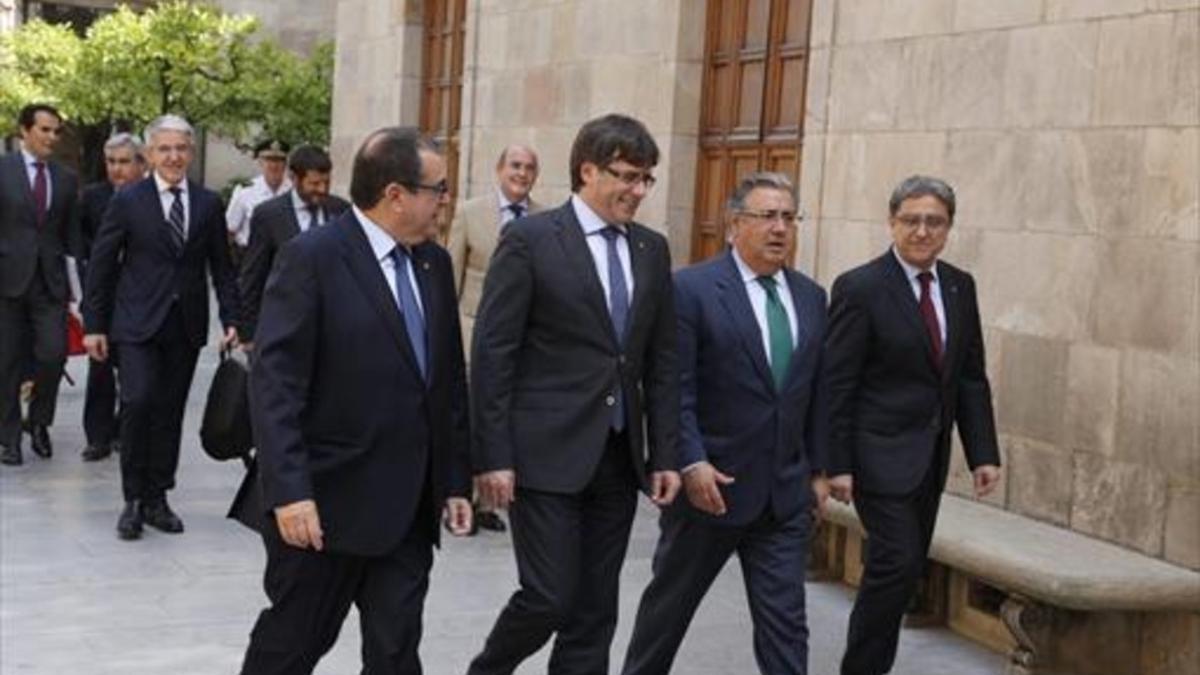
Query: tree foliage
point(176, 57)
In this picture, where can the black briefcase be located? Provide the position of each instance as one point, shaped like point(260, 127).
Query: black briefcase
point(225, 431)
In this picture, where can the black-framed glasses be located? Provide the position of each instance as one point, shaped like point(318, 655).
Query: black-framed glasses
point(632, 178)
point(933, 222)
point(788, 218)
point(439, 189)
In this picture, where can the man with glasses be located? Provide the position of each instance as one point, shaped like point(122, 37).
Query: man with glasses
point(359, 403)
point(753, 434)
point(905, 365)
point(147, 299)
point(123, 165)
point(573, 356)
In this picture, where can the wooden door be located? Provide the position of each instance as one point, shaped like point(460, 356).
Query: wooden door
point(441, 84)
point(752, 103)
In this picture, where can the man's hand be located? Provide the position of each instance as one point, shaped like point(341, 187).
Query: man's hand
point(841, 488)
point(96, 346)
point(702, 483)
point(299, 524)
point(496, 489)
point(230, 340)
point(664, 485)
point(820, 488)
point(987, 477)
point(457, 516)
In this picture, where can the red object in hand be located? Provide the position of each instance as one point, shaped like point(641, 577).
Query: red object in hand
point(74, 336)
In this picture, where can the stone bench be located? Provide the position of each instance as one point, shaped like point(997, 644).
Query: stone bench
point(1042, 567)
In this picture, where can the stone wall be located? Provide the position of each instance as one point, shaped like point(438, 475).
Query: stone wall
point(1071, 130)
point(536, 70)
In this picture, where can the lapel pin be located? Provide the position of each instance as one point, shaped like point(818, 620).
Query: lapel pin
point(641, 244)
point(425, 266)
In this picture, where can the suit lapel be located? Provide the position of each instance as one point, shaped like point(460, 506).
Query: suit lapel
point(805, 308)
point(640, 260)
point(899, 286)
point(952, 305)
point(579, 259)
point(731, 291)
point(430, 297)
point(360, 260)
point(195, 218)
point(152, 207)
point(18, 178)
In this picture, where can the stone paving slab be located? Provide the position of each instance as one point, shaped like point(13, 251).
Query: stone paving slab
point(76, 600)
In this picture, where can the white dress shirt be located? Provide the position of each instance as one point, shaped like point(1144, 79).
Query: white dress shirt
point(592, 226)
point(935, 290)
point(305, 217)
point(167, 199)
point(758, 301)
point(382, 246)
point(31, 172)
point(242, 203)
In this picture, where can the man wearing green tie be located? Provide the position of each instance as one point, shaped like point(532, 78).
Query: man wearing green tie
point(752, 437)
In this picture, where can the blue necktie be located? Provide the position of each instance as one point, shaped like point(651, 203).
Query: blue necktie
point(175, 220)
point(618, 307)
point(406, 298)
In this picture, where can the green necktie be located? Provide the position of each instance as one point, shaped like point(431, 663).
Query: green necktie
point(779, 331)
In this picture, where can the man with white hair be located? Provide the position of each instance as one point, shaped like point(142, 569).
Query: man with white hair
point(147, 294)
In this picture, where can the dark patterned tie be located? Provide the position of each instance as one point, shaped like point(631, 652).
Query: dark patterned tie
point(314, 215)
point(406, 298)
point(929, 316)
point(516, 209)
point(618, 307)
point(41, 190)
point(175, 219)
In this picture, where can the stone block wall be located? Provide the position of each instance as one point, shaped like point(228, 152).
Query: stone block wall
point(1071, 131)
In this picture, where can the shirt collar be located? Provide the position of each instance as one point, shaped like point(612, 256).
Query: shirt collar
point(588, 219)
point(162, 185)
point(911, 271)
point(29, 158)
point(749, 276)
point(297, 203)
point(505, 203)
point(381, 242)
point(261, 183)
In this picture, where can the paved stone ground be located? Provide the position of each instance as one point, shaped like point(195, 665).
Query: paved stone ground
point(74, 599)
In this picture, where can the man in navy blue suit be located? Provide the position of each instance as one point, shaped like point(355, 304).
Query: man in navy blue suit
point(752, 437)
point(147, 293)
point(358, 397)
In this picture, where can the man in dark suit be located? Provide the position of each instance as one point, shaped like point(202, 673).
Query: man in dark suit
point(359, 402)
point(123, 165)
point(753, 435)
point(39, 226)
point(574, 349)
point(905, 364)
point(147, 294)
point(308, 204)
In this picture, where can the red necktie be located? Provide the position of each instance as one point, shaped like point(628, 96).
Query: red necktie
point(929, 316)
point(39, 192)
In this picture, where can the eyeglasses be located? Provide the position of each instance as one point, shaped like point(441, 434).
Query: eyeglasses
point(632, 178)
point(439, 189)
point(934, 223)
point(788, 218)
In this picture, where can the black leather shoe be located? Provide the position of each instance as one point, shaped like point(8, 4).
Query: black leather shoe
point(40, 441)
point(95, 453)
point(158, 515)
point(129, 525)
point(490, 520)
point(11, 456)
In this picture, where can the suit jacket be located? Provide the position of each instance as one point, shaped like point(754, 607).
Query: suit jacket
point(273, 224)
point(341, 413)
point(732, 415)
point(25, 247)
point(891, 409)
point(135, 274)
point(92, 205)
point(546, 362)
point(473, 236)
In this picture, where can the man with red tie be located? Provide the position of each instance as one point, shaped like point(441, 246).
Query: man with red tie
point(39, 226)
point(905, 365)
